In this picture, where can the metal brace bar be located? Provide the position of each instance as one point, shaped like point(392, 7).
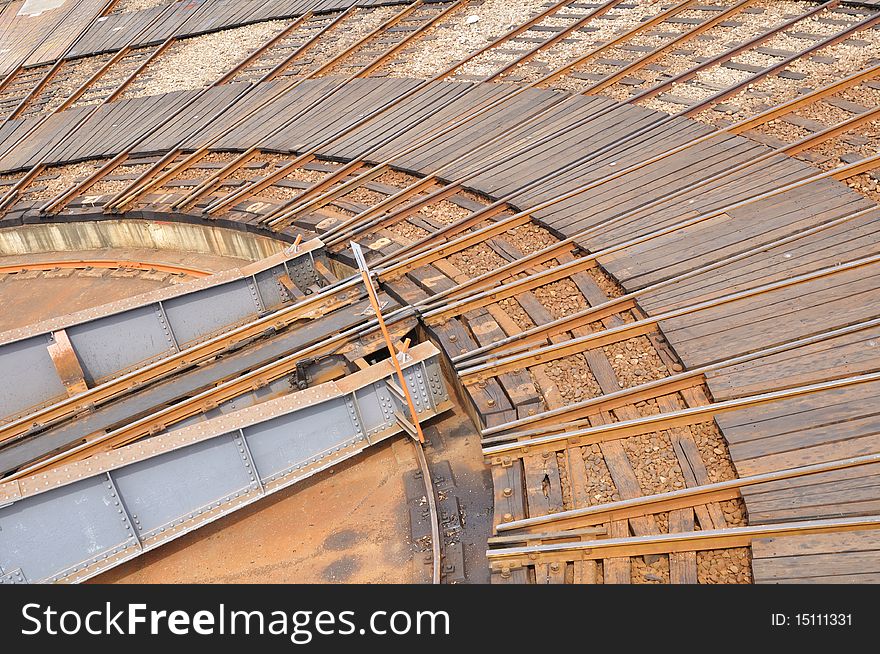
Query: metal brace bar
point(284, 440)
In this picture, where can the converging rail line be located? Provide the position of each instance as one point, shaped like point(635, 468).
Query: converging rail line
point(642, 237)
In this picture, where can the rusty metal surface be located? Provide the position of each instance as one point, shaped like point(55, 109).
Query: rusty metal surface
point(143, 299)
point(173, 483)
point(133, 332)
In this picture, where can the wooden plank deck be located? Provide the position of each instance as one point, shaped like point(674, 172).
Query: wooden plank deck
point(850, 558)
point(583, 141)
point(29, 39)
point(116, 30)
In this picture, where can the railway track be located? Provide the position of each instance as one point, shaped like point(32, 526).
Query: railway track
point(101, 264)
point(626, 395)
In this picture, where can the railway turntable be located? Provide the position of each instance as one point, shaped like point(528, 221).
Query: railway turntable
point(461, 291)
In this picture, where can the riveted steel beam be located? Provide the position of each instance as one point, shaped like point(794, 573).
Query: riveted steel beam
point(115, 338)
point(76, 521)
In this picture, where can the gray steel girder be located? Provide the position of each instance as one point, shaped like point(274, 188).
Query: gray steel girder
point(112, 339)
point(185, 384)
point(71, 523)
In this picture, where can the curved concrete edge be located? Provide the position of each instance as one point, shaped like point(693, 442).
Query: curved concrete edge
point(161, 235)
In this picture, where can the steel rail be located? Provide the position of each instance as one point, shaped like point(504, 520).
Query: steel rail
point(426, 244)
point(110, 264)
point(730, 53)
point(150, 174)
point(291, 209)
point(439, 309)
point(119, 56)
point(226, 391)
point(214, 180)
point(61, 200)
point(389, 211)
point(247, 455)
point(442, 303)
point(157, 52)
point(608, 81)
point(279, 216)
point(390, 208)
point(470, 221)
point(335, 234)
point(646, 25)
point(595, 13)
point(339, 235)
point(308, 308)
point(627, 301)
point(248, 190)
point(808, 142)
point(108, 6)
point(508, 152)
point(149, 177)
point(804, 100)
point(268, 45)
point(507, 36)
point(540, 256)
point(6, 81)
point(196, 156)
point(35, 90)
point(37, 168)
point(612, 79)
point(286, 213)
point(710, 539)
point(324, 191)
point(379, 61)
point(114, 59)
point(10, 196)
point(327, 68)
point(483, 370)
point(404, 260)
point(7, 78)
point(434, 516)
point(859, 167)
point(542, 537)
point(503, 453)
point(490, 45)
point(564, 418)
point(284, 64)
point(149, 180)
point(676, 499)
point(720, 96)
point(732, 126)
point(364, 222)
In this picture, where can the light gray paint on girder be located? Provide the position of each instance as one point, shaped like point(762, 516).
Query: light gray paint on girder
point(138, 498)
point(117, 342)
